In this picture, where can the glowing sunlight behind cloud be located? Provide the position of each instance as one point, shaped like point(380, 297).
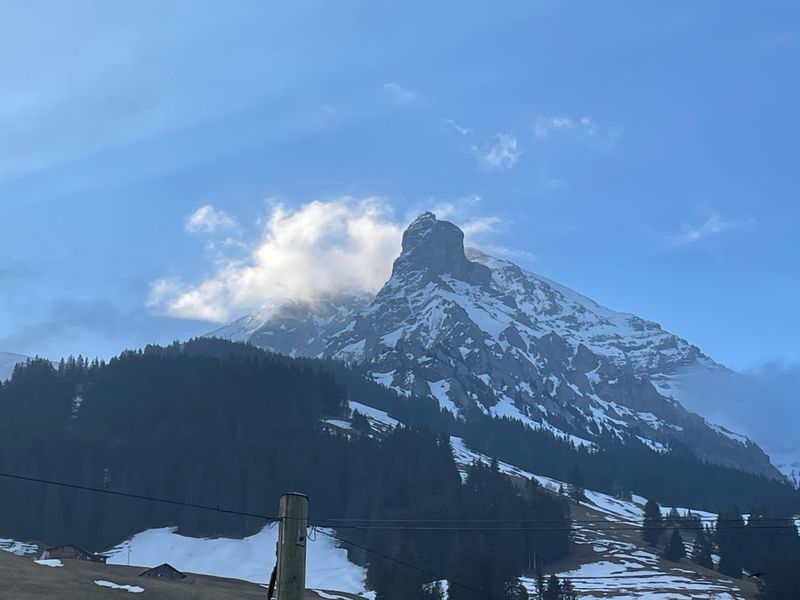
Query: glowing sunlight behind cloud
point(320, 248)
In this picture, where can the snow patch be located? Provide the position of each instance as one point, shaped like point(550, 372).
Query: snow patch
point(441, 390)
point(135, 589)
point(18, 548)
point(374, 414)
point(49, 562)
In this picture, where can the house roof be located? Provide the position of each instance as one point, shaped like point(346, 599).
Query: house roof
point(161, 567)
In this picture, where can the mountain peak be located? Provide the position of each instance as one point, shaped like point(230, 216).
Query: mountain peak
point(437, 248)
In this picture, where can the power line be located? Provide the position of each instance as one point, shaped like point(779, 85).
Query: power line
point(567, 526)
point(316, 526)
point(466, 525)
point(604, 520)
point(86, 488)
point(476, 591)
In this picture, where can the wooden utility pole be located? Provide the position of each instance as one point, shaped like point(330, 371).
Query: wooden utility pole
point(292, 534)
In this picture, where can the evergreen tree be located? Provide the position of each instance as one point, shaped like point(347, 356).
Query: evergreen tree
point(701, 552)
point(576, 487)
point(541, 586)
point(731, 543)
point(673, 518)
point(675, 550)
point(568, 590)
point(553, 589)
point(653, 524)
point(360, 423)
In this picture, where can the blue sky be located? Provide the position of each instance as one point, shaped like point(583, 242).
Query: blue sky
point(644, 154)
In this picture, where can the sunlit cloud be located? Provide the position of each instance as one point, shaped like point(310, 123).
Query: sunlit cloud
point(321, 248)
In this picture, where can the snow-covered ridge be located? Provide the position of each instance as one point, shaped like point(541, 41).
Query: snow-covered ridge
point(8, 361)
point(481, 335)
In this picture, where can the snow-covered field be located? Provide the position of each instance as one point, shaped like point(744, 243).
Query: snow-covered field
point(250, 558)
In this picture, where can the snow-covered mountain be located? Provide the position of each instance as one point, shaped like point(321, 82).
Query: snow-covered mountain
point(7, 363)
point(482, 335)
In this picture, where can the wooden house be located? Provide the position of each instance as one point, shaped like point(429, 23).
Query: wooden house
point(165, 571)
point(71, 552)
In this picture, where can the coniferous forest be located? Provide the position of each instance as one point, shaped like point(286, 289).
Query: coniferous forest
point(223, 425)
point(227, 425)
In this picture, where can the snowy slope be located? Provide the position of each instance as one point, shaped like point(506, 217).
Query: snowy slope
point(250, 559)
point(482, 335)
point(296, 329)
point(8, 361)
point(631, 571)
point(618, 566)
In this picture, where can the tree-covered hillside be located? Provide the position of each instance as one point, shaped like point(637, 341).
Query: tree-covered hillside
point(221, 424)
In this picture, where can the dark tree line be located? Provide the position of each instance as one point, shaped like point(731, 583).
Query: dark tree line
point(220, 424)
point(676, 478)
point(765, 546)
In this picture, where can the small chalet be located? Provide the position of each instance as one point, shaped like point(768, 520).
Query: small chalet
point(165, 571)
point(72, 552)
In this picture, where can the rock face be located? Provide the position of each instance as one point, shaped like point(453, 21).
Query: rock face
point(482, 335)
point(435, 248)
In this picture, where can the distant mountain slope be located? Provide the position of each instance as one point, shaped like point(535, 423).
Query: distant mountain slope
point(482, 335)
point(8, 361)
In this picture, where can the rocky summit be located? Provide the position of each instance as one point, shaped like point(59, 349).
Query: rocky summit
point(483, 336)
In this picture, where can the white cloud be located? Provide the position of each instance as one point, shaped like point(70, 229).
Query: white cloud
point(504, 153)
point(207, 219)
point(460, 209)
point(481, 225)
point(506, 252)
point(584, 129)
point(399, 94)
point(544, 127)
point(712, 226)
point(320, 248)
point(465, 131)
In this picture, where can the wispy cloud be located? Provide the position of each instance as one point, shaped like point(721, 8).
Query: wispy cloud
point(399, 94)
point(463, 211)
point(464, 131)
point(760, 403)
point(504, 153)
point(713, 225)
point(207, 219)
point(544, 127)
point(584, 129)
point(481, 225)
point(507, 252)
point(500, 151)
